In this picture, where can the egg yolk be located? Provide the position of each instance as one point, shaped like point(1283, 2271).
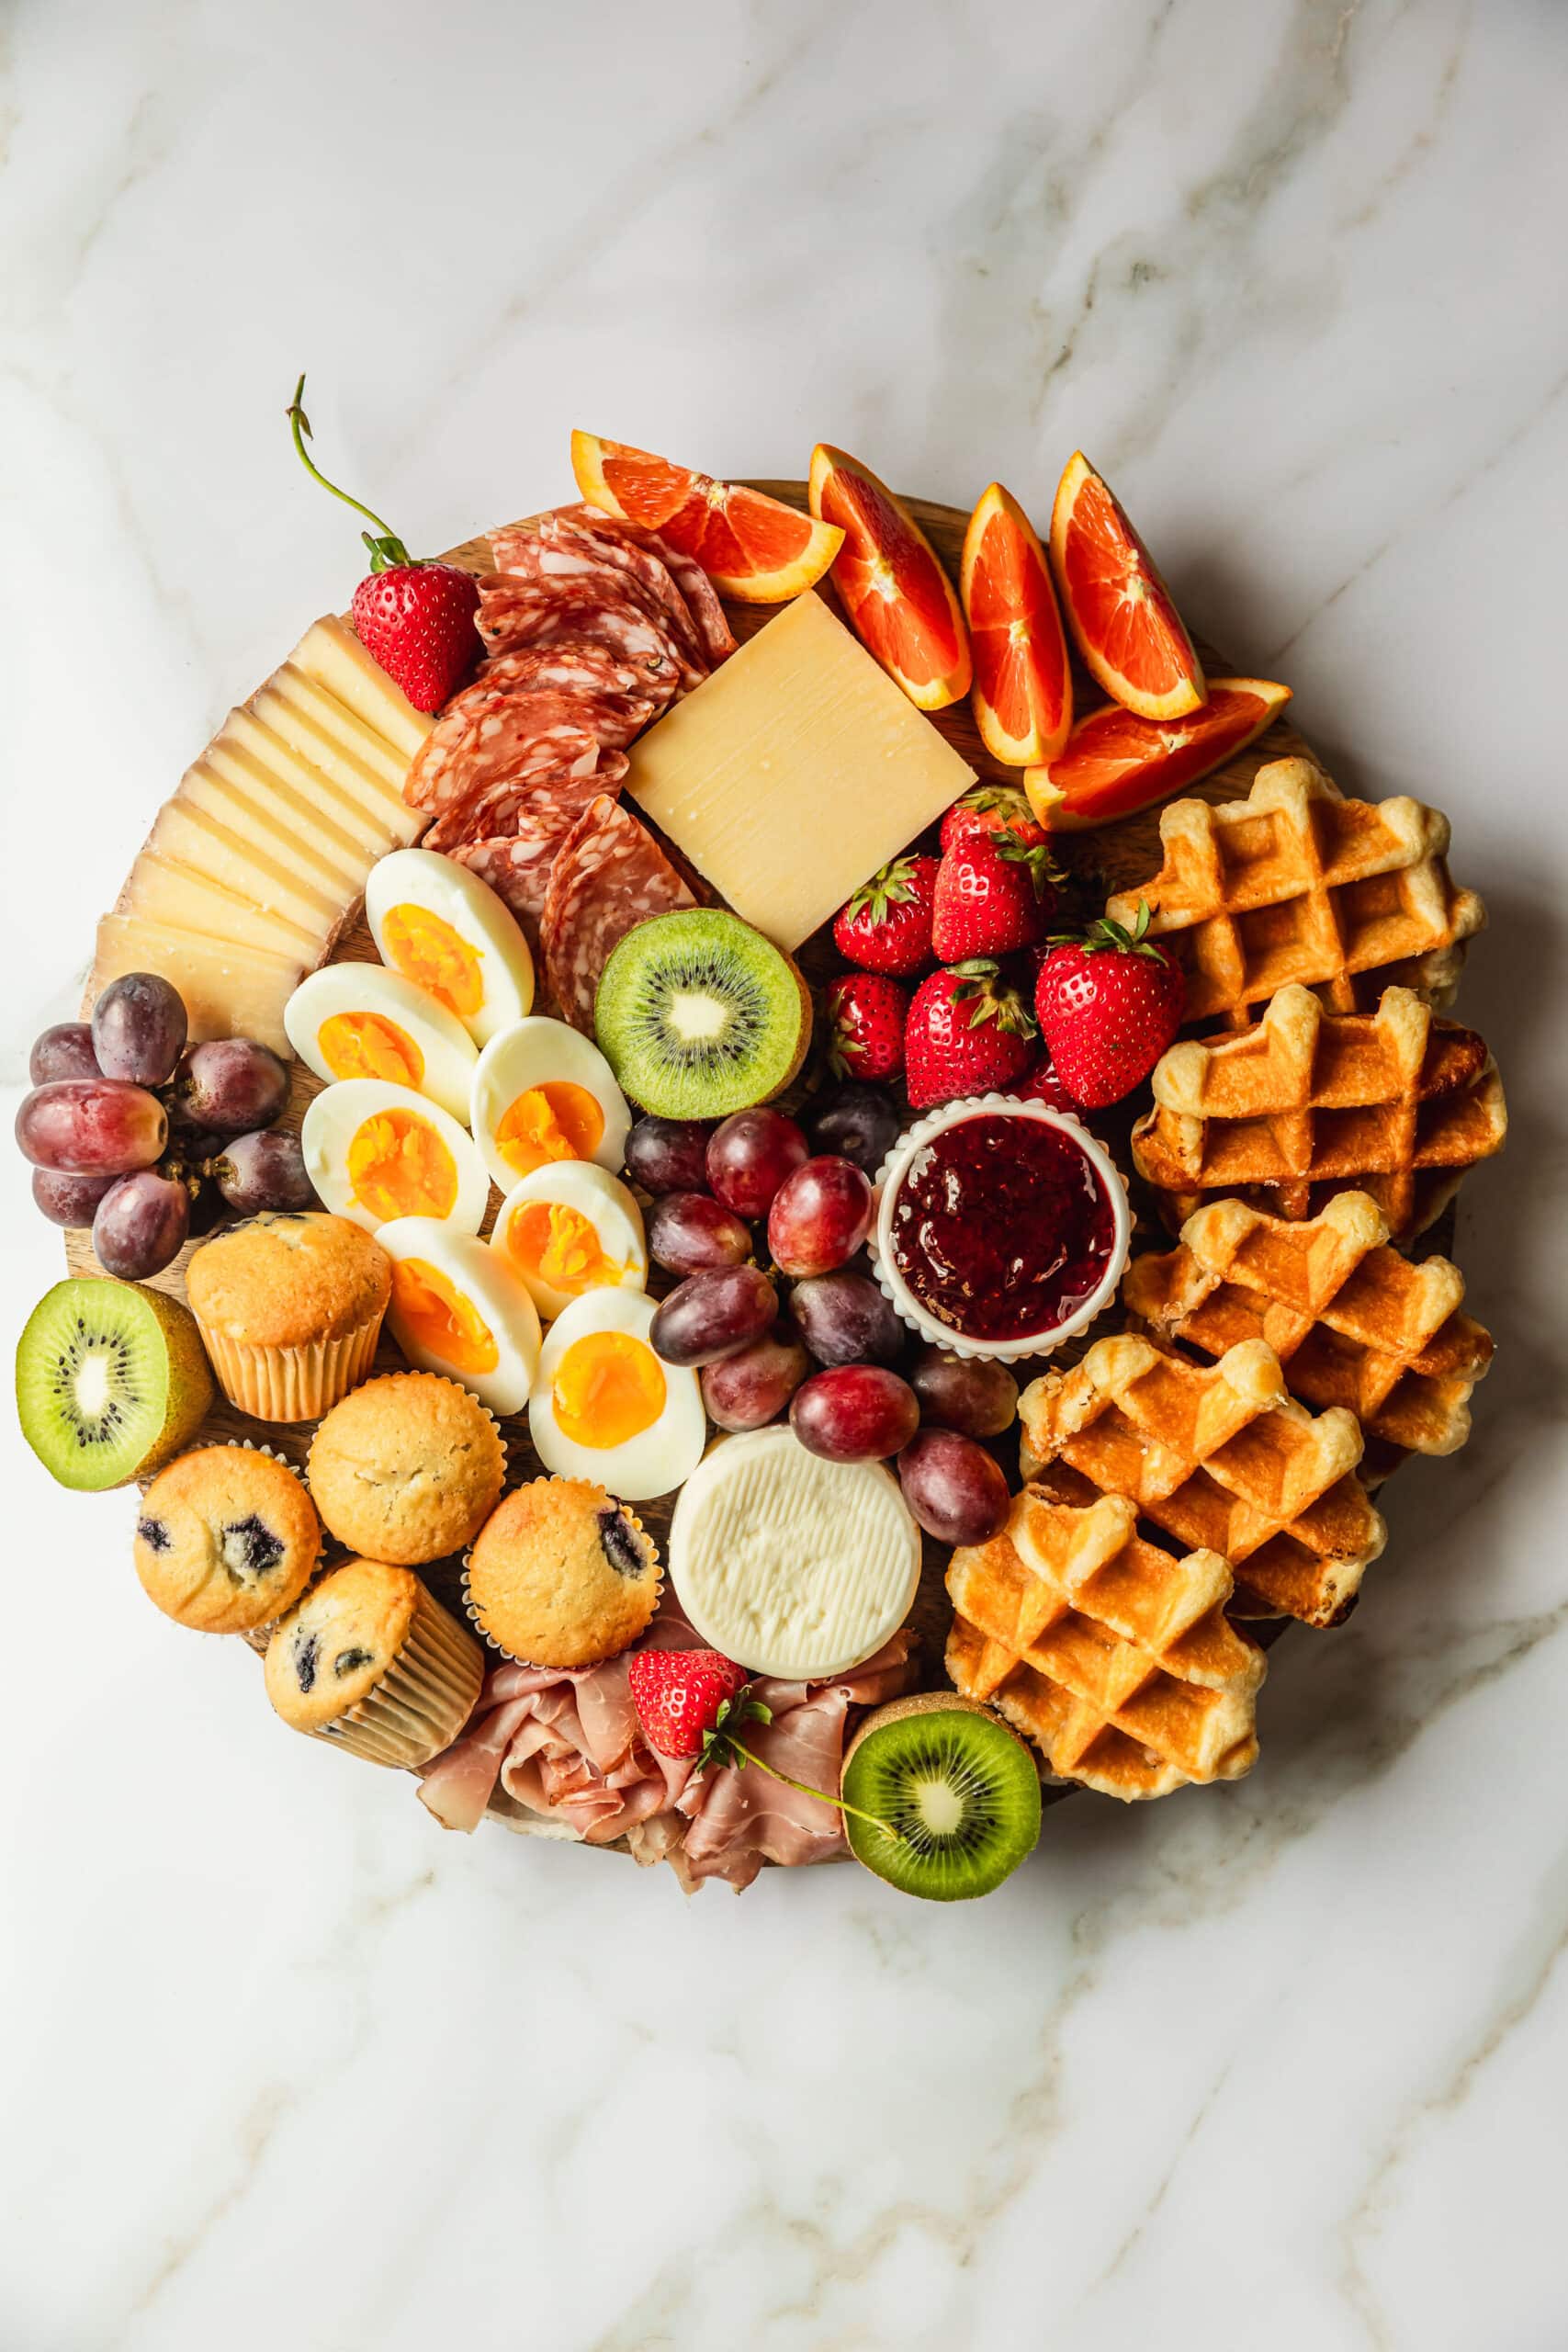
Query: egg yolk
point(399, 1166)
point(560, 1246)
point(367, 1044)
point(426, 949)
point(556, 1120)
point(608, 1388)
point(441, 1319)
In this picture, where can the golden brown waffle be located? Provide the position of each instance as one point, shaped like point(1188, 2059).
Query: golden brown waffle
point(1295, 884)
point(1307, 1103)
point(1115, 1657)
point(1221, 1457)
point(1351, 1321)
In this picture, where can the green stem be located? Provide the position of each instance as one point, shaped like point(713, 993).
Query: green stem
point(301, 428)
point(800, 1789)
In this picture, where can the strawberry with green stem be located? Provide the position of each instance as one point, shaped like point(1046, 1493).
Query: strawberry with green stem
point(965, 1035)
point(865, 1025)
point(1109, 1003)
point(994, 893)
point(886, 925)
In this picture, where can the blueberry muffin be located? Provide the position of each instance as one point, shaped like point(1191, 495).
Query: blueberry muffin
point(562, 1575)
point(369, 1661)
point(408, 1468)
point(290, 1310)
point(227, 1539)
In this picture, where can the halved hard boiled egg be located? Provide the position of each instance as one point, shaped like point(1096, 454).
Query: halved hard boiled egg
point(458, 1308)
point(569, 1228)
point(447, 932)
point(375, 1151)
point(604, 1406)
point(361, 1021)
point(542, 1092)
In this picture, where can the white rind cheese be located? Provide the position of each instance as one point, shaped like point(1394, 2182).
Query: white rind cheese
point(790, 1565)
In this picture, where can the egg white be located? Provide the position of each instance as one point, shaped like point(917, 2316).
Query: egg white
point(447, 1050)
point(335, 1118)
point(497, 1295)
point(608, 1206)
point(422, 878)
point(659, 1458)
point(539, 1052)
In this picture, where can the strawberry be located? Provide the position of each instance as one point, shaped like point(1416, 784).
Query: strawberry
point(866, 1013)
point(964, 1035)
point(679, 1694)
point(992, 808)
point(993, 893)
point(887, 926)
point(1109, 1004)
point(415, 616)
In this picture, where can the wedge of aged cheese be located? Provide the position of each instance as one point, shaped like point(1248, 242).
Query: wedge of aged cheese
point(330, 653)
point(161, 891)
point(245, 797)
point(277, 884)
point(795, 771)
point(790, 1565)
point(229, 992)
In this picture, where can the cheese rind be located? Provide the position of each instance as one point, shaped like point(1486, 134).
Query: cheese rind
point(790, 1565)
point(795, 773)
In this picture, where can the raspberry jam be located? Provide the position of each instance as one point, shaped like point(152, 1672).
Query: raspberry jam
point(1002, 1228)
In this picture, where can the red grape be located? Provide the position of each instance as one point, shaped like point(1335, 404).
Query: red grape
point(139, 1029)
point(750, 1155)
point(140, 1226)
point(857, 1121)
point(688, 1233)
point(857, 1412)
point(231, 1084)
point(845, 1318)
point(819, 1216)
point(67, 1199)
point(712, 1315)
point(669, 1155)
point(263, 1172)
point(964, 1393)
point(953, 1486)
point(64, 1051)
point(751, 1387)
point(91, 1125)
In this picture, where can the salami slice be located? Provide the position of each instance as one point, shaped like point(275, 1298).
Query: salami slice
point(496, 735)
point(543, 805)
point(518, 871)
point(581, 543)
point(516, 612)
point(713, 629)
point(624, 696)
point(609, 875)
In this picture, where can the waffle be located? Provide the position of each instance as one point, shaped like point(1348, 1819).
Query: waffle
point(1115, 1657)
point(1351, 1321)
point(1306, 1103)
point(1295, 884)
point(1220, 1457)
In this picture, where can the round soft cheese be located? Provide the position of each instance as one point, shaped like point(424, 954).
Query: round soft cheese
point(790, 1565)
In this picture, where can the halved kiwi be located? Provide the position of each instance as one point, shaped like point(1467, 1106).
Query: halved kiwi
point(111, 1381)
point(699, 1015)
point(961, 1788)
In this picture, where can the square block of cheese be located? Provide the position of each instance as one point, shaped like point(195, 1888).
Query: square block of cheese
point(795, 771)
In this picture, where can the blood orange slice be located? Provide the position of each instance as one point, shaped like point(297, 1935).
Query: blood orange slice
point(1023, 686)
point(894, 590)
point(1115, 763)
point(1118, 607)
point(751, 547)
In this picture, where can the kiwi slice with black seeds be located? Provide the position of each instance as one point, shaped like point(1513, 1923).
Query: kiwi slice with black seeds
point(961, 1791)
point(699, 1015)
point(111, 1381)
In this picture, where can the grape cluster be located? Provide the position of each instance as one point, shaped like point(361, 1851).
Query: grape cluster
point(147, 1139)
point(832, 1354)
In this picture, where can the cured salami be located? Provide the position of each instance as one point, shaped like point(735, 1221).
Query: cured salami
point(544, 803)
point(517, 871)
point(515, 612)
point(503, 736)
point(609, 875)
point(701, 597)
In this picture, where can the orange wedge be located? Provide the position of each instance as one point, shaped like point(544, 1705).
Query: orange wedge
point(1118, 607)
point(751, 547)
point(894, 590)
point(1115, 763)
point(1023, 686)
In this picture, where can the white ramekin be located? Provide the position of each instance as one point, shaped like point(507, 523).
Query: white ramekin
point(890, 1173)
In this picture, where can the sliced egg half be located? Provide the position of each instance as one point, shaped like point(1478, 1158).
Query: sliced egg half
point(447, 932)
point(361, 1021)
point(604, 1406)
point(458, 1308)
point(569, 1228)
point(544, 1092)
point(375, 1151)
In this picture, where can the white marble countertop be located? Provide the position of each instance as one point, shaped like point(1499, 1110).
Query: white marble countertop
point(1281, 2063)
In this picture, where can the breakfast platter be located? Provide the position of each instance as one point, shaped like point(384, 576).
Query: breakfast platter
point(757, 1172)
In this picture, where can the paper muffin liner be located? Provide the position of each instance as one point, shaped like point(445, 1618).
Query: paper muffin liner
point(423, 1699)
point(258, 1636)
point(291, 1384)
point(538, 1666)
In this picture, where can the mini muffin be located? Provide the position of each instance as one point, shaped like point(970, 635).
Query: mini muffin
point(289, 1309)
point(369, 1661)
point(227, 1540)
point(562, 1575)
point(408, 1468)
